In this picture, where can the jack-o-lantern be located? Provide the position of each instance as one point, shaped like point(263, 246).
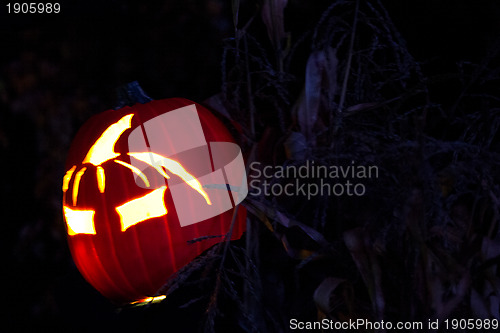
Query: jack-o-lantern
point(142, 182)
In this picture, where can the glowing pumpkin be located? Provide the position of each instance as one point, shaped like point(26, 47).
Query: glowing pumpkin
point(141, 182)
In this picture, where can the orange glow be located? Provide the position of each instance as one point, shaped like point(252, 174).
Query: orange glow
point(136, 210)
point(103, 148)
point(136, 171)
point(79, 221)
point(101, 151)
point(67, 178)
point(159, 162)
point(143, 208)
point(147, 300)
point(101, 182)
point(78, 177)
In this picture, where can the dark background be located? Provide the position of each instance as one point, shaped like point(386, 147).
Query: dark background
point(57, 70)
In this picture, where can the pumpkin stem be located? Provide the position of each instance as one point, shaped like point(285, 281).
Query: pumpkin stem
point(130, 94)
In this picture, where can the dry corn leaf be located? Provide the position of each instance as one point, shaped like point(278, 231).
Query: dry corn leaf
point(325, 297)
point(363, 254)
point(266, 213)
point(320, 80)
point(485, 304)
point(273, 17)
point(296, 146)
point(490, 248)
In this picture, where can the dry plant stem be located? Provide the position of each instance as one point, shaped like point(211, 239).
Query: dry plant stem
point(212, 307)
point(279, 53)
point(242, 34)
point(251, 106)
point(346, 77)
point(227, 240)
point(236, 9)
point(252, 253)
point(483, 66)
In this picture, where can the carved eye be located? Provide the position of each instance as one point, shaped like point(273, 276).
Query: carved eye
point(79, 221)
point(143, 208)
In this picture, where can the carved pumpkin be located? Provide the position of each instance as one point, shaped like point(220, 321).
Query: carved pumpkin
point(141, 182)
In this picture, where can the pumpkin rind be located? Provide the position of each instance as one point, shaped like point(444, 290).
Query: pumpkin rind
point(132, 264)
